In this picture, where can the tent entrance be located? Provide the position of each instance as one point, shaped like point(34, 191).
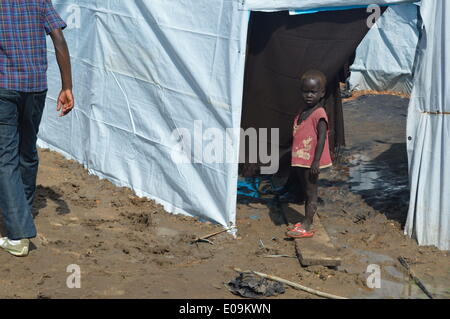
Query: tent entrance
point(281, 47)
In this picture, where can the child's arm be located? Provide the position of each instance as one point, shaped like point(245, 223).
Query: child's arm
point(322, 134)
point(65, 99)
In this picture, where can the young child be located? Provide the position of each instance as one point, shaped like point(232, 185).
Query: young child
point(310, 148)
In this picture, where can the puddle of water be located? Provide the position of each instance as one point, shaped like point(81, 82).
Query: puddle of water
point(402, 287)
point(362, 175)
point(383, 186)
point(370, 257)
point(363, 178)
point(391, 270)
point(408, 290)
point(366, 175)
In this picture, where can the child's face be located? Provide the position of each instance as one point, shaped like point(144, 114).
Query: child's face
point(312, 91)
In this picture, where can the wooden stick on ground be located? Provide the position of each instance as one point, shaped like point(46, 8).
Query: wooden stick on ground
point(204, 238)
point(293, 284)
point(279, 256)
point(419, 283)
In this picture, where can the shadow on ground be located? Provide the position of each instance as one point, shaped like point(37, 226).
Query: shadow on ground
point(43, 194)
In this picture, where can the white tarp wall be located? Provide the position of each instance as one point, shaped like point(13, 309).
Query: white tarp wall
point(429, 131)
point(385, 58)
point(142, 70)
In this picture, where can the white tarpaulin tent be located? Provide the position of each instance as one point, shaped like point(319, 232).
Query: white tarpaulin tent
point(385, 58)
point(144, 69)
point(429, 131)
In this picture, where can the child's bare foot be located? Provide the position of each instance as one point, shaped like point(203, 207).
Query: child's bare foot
point(307, 225)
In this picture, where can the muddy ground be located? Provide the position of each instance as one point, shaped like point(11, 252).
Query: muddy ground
point(128, 247)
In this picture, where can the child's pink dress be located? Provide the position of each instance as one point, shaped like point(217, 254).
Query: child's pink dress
point(305, 141)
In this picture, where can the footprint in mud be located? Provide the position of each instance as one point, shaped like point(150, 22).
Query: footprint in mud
point(77, 196)
point(170, 246)
point(160, 249)
point(93, 222)
point(117, 203)
point(140, 221)
point(98, 223)
point(139, 202)
point(85, 203)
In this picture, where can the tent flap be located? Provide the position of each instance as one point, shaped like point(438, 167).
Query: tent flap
point(385, 58)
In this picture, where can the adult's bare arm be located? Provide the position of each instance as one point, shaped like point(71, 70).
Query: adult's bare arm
point(65, 102)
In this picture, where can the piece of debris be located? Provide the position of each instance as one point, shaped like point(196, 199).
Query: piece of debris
point(249, 285)
point(359, 219)
point(279, 256)
point(42, 296)
point(205, 238)
point(419, 283)
point(261, 244)
point(292, 284)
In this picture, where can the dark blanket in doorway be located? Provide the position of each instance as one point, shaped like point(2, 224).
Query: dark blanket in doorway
point(280, 49)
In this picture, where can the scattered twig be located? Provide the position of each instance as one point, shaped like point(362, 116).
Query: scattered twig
point(292, 284)
point(205, 241)
point(279, 256)
point(261, 244)
point(204, 238)
point(419, 283)
point(359, 218)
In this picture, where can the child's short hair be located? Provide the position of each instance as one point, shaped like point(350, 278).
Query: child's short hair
point(316, 75)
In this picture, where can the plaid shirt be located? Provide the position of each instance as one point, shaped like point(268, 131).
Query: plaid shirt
point(24, 25)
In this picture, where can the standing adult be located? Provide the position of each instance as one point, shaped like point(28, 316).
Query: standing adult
point(23, 90)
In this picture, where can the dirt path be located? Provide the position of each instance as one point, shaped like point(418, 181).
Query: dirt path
point(130, 248)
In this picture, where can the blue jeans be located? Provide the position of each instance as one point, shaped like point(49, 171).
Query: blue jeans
point(20, 116)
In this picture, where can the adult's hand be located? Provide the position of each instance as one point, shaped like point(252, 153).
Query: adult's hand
point(65, 102)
